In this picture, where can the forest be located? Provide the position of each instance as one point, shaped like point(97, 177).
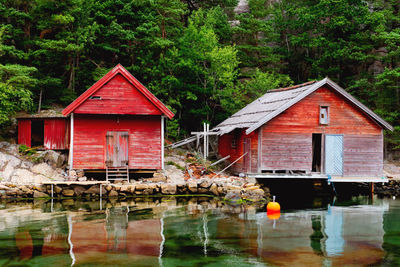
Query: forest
point(205, 59)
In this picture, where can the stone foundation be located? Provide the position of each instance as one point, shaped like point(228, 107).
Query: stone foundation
point(229, 191)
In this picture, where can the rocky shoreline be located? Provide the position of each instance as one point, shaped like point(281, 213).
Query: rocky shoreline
point(226, 189)
point(29, 176)
point(391, 189)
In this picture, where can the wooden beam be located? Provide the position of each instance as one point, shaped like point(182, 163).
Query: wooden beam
point(218, 161)
point(71, 145)
point(202, 133)
point(230, 165)
point(162, 142)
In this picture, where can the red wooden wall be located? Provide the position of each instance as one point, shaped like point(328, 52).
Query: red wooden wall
point(286, 140)
point(24, 132)
point(90, 140)
point(225, 148)
point(118, 96)
point(56, 133)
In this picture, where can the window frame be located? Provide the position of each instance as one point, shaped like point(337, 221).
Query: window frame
point(327, 119)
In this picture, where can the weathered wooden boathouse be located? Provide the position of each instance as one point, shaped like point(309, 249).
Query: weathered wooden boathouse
point(47, 129)
point(116, 124)
point(311, 130)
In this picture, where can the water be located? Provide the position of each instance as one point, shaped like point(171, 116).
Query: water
point(199, 232)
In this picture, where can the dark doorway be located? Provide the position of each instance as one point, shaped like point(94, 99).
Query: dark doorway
point(37, 133)
point(316, 152)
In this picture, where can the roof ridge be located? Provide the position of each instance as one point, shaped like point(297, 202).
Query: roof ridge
point(292, 87)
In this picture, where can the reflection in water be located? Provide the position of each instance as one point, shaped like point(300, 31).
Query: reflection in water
point(182, 232)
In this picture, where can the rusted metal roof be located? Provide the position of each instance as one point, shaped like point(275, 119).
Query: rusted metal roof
point(275, 101)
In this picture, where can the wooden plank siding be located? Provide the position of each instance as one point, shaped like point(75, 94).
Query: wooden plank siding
point(118, 96)
point(225, 148)
point(363, 155)
point(285, 142)
point(290, 135)
point(90, 140)
point(286, 151)
point(24, 132)
point(56, 133)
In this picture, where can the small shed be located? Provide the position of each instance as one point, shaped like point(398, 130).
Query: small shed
point(47, 129)
point(117, 123)
point(311, 130)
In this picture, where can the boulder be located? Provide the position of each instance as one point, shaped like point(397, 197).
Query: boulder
point(53, 158)
point(131, 189)
point(47, 171)
point(157, 178)
point(57, 189)
point(108, 187)
point(95, 189)
point(68, 192)
point(9, 148)
point(204, 183)
point(37, 194)
point(38, 179)
point(168, 189)
point(113, 193)
point(141, 187)
point(202, 190)
point(148, 191)
point(24, 188)
point(22, 176)
point(192, 186)
point(82, 179)
point(233, 195)
point(7, 165)
point(214, 189)
point(79, 190)
point(80, 173)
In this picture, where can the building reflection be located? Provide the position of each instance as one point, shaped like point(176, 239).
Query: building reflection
point(164, 233)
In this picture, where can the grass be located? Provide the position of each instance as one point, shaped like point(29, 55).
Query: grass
point(176, 165)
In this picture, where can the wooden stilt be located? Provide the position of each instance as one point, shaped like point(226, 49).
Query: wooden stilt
point(371, 185)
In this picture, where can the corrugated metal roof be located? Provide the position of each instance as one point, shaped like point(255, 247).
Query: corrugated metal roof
point(276, 101)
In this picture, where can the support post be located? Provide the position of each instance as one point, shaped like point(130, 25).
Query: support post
point(372, 190)
point(162, 142)
point(205, 141)
point(71, 143)
point(207, 144)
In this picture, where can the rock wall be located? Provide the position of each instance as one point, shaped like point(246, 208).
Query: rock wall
point(16, 169)
point(231, 191)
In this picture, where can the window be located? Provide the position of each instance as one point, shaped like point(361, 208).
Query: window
point(233, 143)
point(95, 97)
point(324, 115)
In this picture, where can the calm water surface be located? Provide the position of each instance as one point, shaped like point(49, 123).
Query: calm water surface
point(199, 232)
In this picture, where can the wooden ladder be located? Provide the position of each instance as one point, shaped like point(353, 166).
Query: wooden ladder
point(121, 173)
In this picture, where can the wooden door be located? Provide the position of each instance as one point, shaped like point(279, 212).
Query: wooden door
point(246, 158)
point(334, 154)
point(117, 149)
point(24, 132)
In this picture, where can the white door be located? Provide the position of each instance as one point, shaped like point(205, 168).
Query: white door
point(334, 154)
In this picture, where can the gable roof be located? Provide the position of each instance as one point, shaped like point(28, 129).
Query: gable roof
point(274, 102)
point(119, 69)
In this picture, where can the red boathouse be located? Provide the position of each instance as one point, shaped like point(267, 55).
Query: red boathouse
point(117, 123)
point(47, 129)
point(312, 130)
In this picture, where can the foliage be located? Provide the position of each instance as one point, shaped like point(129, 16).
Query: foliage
point(199, 57)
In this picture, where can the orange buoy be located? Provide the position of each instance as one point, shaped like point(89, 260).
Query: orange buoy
point(273, 215)
point(273, 207)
